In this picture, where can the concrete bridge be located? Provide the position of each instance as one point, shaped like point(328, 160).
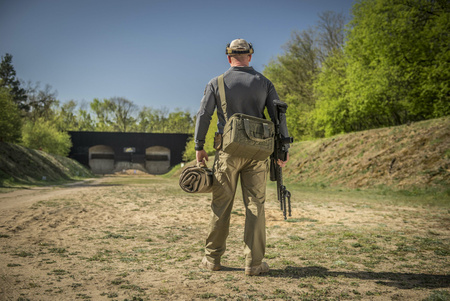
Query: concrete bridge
point(109, 152)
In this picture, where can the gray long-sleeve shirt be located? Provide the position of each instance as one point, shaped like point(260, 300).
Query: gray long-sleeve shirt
point(246, 91)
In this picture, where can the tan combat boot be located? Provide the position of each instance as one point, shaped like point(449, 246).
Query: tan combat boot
point(259, 269)
point(210, 266)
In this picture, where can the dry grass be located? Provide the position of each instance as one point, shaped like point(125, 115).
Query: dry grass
point(415, 156)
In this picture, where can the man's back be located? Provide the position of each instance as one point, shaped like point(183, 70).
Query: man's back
point(247, 91)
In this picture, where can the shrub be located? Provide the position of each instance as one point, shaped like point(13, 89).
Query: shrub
point(44, 135)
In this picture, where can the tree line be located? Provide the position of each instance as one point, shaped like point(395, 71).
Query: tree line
point(385, 65)
point(34, 117)
point(388, 65)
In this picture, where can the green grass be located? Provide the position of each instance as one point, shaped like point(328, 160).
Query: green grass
point(380, 194)
point(438, 295)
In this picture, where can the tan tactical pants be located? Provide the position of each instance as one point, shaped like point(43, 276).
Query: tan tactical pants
point(253, 176)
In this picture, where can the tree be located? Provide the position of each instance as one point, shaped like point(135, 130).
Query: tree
point(10, 119)
point(393, 69)
point(103, 112)
point(85, 122)
point(44, 135)
point(180, 122)
point(153, 121)
point(294, 73)
point(114, 114)
point(42, 103)
point(8, 80)
point(68, 116)
point(398, 61)
point(65, 116)
point(123, 111)
point(331, 33)
point(331, 113)
point(143, 120)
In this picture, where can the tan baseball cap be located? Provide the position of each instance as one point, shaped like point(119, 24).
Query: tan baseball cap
point(239, 46)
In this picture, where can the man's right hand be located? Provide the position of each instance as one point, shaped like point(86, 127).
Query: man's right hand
point(283, 163)
point(202, 156)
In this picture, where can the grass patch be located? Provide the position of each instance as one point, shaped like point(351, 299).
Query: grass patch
point(438, 295)
point(24, 254)
point(116, 236)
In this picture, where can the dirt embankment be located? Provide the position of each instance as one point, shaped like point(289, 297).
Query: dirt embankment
point(402, 157)
point(19, 164)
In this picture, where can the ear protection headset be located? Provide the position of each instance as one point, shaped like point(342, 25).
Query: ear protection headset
point(230, 51)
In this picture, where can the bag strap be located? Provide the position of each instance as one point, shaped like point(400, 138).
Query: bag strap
point(223, 100)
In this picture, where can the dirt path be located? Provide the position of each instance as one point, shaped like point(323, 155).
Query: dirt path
point(138, 238)
point(23, 197)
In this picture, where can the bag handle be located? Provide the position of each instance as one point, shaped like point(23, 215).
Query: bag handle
point(247, 131)
point(223, 100)
point(202, 165)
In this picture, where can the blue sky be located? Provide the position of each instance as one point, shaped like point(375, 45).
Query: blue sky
point(159, 54)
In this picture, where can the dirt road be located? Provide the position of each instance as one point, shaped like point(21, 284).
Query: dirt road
point(23, 197)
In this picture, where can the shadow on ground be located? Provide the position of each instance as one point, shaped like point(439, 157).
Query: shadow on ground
point(399, 280)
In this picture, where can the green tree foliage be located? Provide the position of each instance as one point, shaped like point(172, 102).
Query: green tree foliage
point(66, 117)
point(180, 122)
point(151, 120)
point(8, 80)
point(115, 114)
point(44, 135)
point(103, 114)
point(189, 153)
point(331, 114)
point(394, 67)
point(123, 112)
point(10, 119)
point(162, 121)
point(294, 73)
point(121, 115)
point(399, 53)
point(85, 121)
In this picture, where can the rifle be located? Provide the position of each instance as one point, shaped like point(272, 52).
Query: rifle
point(280, 152)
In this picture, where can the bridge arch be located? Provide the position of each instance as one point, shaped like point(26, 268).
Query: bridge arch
point(101, 159)
point(157, 159)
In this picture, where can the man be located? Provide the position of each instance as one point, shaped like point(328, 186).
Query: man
point(248, 92)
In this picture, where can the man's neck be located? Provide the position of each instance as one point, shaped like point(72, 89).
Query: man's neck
point(237, 64)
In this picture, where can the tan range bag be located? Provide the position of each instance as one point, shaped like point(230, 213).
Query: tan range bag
point(248, 137)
